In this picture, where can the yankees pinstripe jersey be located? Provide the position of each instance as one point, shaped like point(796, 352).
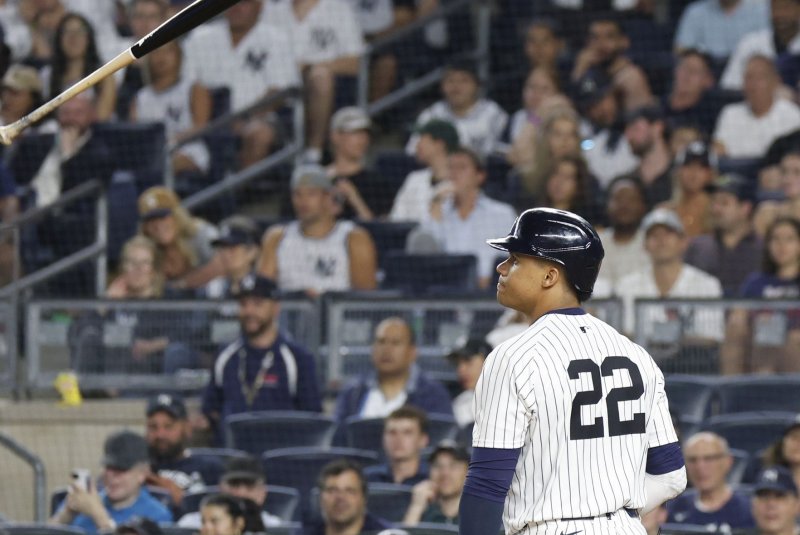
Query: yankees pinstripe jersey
point(584, 403)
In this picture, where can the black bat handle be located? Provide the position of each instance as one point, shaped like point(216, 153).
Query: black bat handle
point(187, 19)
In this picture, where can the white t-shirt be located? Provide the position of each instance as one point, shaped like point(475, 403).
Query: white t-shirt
point(373, 15)
point(320, 264)
point(480, 129)
point(760, 43)
point(263, 60)
point(621, 258)
point(747, 136)
point(413, 200)
point(463, 408)
point(329, 31)
point(692, 283)
point(606, 164)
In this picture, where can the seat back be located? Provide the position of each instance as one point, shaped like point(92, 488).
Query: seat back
point(137, 147)
point(750, 431)
point(690, 396)
point(388, 501)
point(420, 274)
point(39, 529)
point(759, 393)
point(257, 432)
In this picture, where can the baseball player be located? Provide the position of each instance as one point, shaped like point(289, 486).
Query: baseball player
point(572, 430)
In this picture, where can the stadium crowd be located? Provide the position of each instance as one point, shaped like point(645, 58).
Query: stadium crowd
point(673, 127)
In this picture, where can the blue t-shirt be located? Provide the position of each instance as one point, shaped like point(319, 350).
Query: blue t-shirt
point(764, 285)
point(145, 506)
point(733, 515)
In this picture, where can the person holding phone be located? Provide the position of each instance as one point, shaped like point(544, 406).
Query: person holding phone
point(436, 499)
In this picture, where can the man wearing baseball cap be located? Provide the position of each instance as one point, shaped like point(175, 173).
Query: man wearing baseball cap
point(437, 499)
point(262, 369)
point(237, 247)
point(775, 502)
point(172, 465)
point(124, 497)
point(243, 478)
point(468, 361)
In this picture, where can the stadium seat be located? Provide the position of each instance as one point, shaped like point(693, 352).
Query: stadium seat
point(421, 274)
point(741, 462)
point(257, 432)
point(690, 396)
point(300, 467)
point(759, 393)
point(223, 455)
point(394, 165)
point(39, 529)
point(429, 528)
point(367, 433)
point(388, 236)
point(750, 431)
point(137, 147)
point(289, 528)
point(388, 501)
point(175, 530)
point(281, 501)
point(464, 436)
point(682, 529)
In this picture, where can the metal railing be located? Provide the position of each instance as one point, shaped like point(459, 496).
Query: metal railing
point(8, 344)
point(39, 474)
point(423, 82)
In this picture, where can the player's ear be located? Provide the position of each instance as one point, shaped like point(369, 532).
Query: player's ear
point(551, 276)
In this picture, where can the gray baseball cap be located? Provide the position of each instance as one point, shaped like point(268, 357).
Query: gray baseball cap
point(310, 175)
point(350, 119)
point(664, 217)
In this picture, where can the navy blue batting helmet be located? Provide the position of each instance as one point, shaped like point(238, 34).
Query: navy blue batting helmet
point(561, 237)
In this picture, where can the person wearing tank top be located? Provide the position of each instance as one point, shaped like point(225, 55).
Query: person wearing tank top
point(315, 253)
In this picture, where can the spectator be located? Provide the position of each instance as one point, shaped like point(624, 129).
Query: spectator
point(358, 191)
point(141, 277)
point(690, 100)
point(605, 51)
point(645, 130)
point(746, 129)
point(775, 502)
point(228, 515)
point(437, 139)
point(769, 211)
point(436, 500)
point(605, 148)
point(715, 27)
point(41, 19)
point(75, 56)
point(263, 369)
point(172, 465)
point(20, 94)
point(665, 242)
point(139, 526)
point(539, 92)
point(732, 249)
point(405, 435)
point(125, 467)
point(316, 253)
point(244, 479)
point(182, 106)
point(480, 122)
point(711, 502)
point(395, 379)
point(623, 239)
point(780, 39)
point(468, 362)
point(343, 502)
point(238, 247)
point(695, 169)
point(184, 242)
point(680, 136)
point(9, 210)
point(462, 219)
point(327, 42)
point(558, 137)
point(785, 451)
point(775, 343)
point(252, 60)
point(569, 187)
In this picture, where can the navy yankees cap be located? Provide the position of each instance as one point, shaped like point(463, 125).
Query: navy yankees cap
point(591, 89)
point(735, 184)
point(236, 230)
point(172, 405)
point(255, 285)
point(776, 479)
point(696, 151)
point(449, 446)
point(124, 450)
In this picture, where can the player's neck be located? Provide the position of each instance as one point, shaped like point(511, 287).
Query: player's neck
point(558, 301)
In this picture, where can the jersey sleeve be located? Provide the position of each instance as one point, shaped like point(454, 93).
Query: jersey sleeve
point(503, 402)
point(660, 430)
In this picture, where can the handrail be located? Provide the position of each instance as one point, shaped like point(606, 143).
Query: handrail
point(87, 253)
point(219, 122)
point(39, 474)
point(34, 214)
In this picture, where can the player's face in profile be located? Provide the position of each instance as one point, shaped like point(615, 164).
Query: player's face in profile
point(448, 475)
point(392, 350)
point(256, 315)
point(707, 464)
point(664, 245)
point(775, 512)
point(166, 436)
point(403, 439)
point(342, 500)
point(790, 446)
point(469, 369)
point(518, 286)
point(121, 485)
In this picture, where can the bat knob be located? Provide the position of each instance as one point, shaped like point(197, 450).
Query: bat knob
point(7, 135)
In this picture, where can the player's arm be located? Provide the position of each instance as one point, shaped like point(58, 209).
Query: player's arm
point(665, 475)
point(488, 480)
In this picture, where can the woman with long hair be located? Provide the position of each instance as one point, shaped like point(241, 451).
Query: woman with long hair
point(785, 452)
point(789, 205)
point(226, 515)
point(74, 57)
point(568, 186)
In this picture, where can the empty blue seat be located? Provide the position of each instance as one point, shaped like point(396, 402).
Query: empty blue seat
point(750, 431)
point(689, 396)
point(257, 432)
point(137, 147)
point(367, 433)
point(421, 274)
point(759, 393)
point(741, 462)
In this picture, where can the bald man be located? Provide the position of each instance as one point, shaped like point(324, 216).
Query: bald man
point(711, 502)
point(394, 380)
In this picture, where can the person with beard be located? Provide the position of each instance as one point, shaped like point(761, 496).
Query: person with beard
point(172, 465)
point(692, 100)
point(645, 131)
point(605, 51)
point(263, 369)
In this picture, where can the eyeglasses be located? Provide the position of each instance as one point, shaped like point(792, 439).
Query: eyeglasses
point(705, 458)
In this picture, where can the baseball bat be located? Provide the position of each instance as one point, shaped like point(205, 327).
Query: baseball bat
point(185, 20)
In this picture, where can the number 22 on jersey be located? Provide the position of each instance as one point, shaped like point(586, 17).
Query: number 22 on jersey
point(616, 427)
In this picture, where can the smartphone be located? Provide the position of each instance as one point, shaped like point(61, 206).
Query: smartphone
point(82, 478)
